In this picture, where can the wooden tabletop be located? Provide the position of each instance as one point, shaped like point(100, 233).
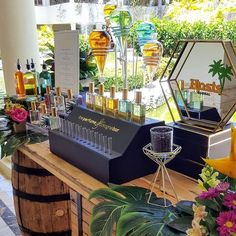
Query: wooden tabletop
point(83, 183)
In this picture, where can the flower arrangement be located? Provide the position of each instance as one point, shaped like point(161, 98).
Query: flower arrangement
point(215, 208)
point(17, 115)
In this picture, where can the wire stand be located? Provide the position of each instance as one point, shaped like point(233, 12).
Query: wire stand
point(161, 159)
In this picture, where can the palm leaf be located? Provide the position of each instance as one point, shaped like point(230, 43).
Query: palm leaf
point(126, 208)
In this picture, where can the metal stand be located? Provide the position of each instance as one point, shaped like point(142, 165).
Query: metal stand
point(161, 159)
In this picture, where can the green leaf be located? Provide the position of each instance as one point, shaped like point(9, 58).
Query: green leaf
point(181, 224)
point(185, 207)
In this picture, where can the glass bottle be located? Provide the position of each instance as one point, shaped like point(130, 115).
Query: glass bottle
point(45, 79)
point(34, 114)
point(36, 75)
point(145, 32)
point(138, 109)
point(69, 101)
point(152, 53)
point(100, 99)
point(196, 100)
point(59, 101)
point(19, 76)
point(90, 96)
point(30, 81)
point(54, 119)
point(109, 8)
point(184, 99)
point(44, 118)
point(47, 98)
point(99, 41)
point(121, 22)
point(111, 106)
point(124, 110)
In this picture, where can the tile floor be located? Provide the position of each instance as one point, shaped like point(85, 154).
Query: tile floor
point(8, 224)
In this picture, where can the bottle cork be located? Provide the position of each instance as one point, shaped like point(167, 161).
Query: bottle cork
point(43, 108)
point(125, 94)
point(48, 90)
point(69, 93)
point(33, 106)
point(54, 111)
point(138, 97)
point(181, 84)
point(101, 89)
point(112, 91)
point(91, 87)
point(58, 91)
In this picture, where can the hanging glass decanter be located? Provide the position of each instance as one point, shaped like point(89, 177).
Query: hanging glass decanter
point(152, 53)
point(145, 32)
point(99, 41)
point(121, 22)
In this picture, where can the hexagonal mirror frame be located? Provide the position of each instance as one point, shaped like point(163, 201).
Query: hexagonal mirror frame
point(202, 83)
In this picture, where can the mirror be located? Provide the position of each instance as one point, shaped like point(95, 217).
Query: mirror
point(203, 83)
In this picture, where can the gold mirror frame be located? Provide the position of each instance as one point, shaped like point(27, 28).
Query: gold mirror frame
point(207, 125)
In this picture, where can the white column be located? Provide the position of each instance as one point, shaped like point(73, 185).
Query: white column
point(18, 37)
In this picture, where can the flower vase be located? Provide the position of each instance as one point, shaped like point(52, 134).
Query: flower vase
point(19, 128)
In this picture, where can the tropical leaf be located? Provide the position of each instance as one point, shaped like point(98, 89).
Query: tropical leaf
point(181, 224)
point(126, 208)
point(185, 207)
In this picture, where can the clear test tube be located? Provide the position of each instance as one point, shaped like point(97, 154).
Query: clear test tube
point(84, 135)
point(109, 142)
point(96, 139)
point(92, 138)
point(80, 132)
point(105, 144)
point(100, 137)
point(66, 127)
point(88, 136)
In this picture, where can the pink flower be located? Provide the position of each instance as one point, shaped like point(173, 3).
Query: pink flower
point(209, 194)
point(214, 192)
point(226, 223)
point(222, 187)
point(18, 114)
point(230, 200)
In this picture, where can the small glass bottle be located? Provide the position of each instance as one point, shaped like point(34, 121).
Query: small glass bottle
point(90, 96)
point(124, 110)
point(34, 114)
point(181, 101)
point(45, 79)
point(100, 99)
point(30, 81)
point(54, 119)
point(20, 89)
point(69, 101)
point(59, 101)
point(138, 109)
point(111, 106)
point(196, 100)
point(36, 75)
point(44, 118)
point(47, 98)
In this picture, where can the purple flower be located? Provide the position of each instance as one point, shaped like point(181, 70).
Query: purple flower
point(214, 192)
point(209, 194)
point(226, 222)
point(230, 200)
point(222, 187)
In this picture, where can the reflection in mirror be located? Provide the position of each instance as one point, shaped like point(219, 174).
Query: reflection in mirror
point(203, 81)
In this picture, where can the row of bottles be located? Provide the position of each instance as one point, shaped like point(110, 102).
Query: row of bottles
point(192, 99)
point(124, 108)
point(31, 82)
point(42, 117)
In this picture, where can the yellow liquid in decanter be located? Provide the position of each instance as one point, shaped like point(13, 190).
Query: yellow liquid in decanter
point(100, 43)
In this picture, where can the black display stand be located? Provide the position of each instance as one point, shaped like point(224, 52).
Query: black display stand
point(197, 144)
point(127, 160)
point(206, 113)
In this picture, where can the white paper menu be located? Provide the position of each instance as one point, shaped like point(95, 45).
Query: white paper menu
point(67, 60)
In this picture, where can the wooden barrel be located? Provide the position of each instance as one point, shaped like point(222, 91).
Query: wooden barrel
point(41, 200)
